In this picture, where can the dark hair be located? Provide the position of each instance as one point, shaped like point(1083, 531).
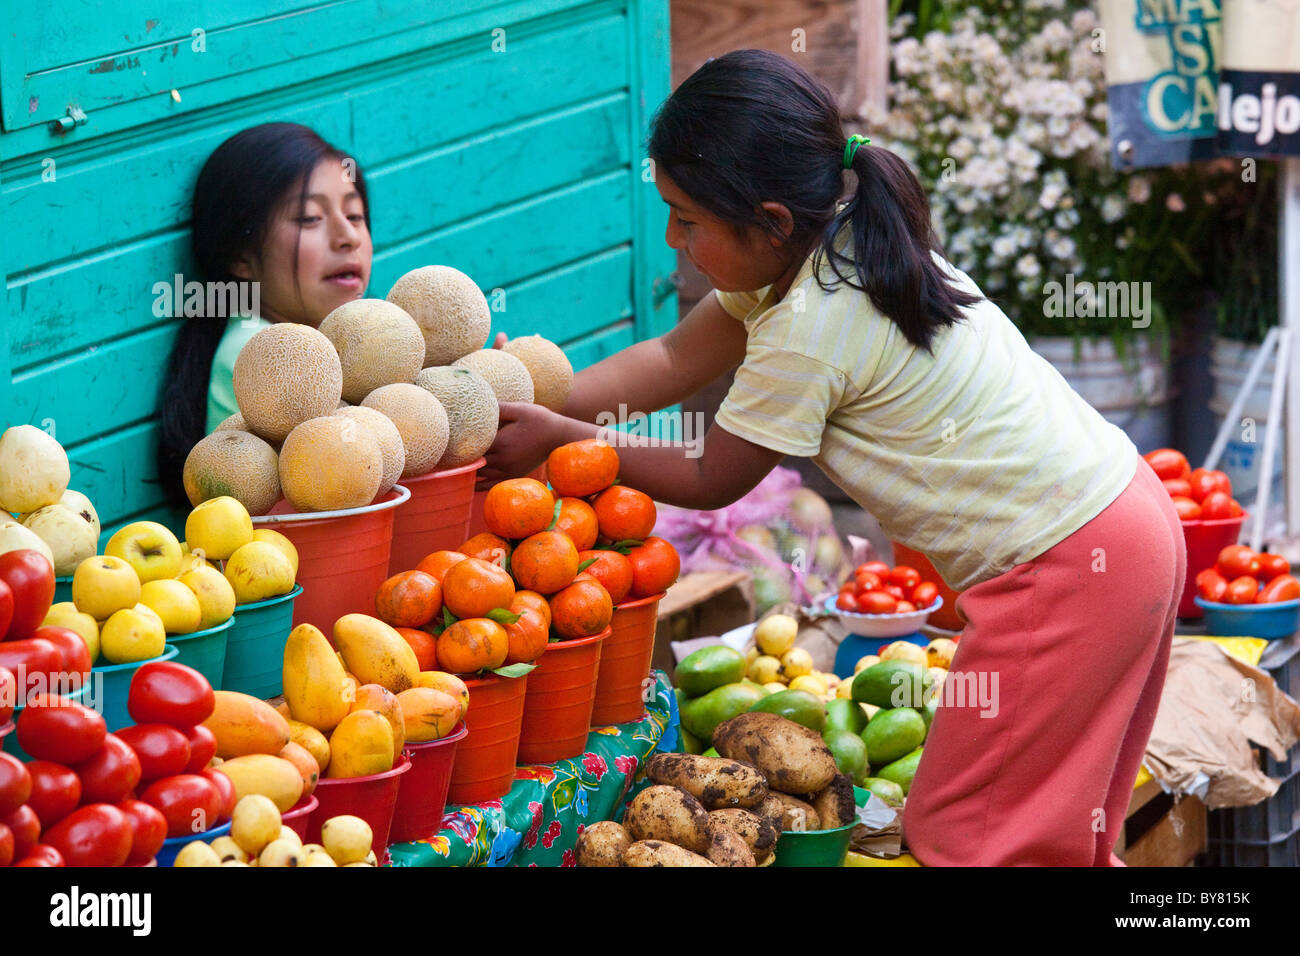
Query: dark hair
point(751, 127)
point(240, 188)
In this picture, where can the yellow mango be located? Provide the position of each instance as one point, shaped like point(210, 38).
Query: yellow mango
point(375, 653)
point(272, 777)
point(361, 745)
point(311, 740)
point(315, 684)
point(429, 714)
point(244, 725)
point(448, 684)
point(383, 702)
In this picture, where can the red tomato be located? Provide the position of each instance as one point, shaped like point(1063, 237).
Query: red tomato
point(1272, 566)
point(227, 789)
point(846, 602)
point(96, 835)
point(1236, 509)
point(905, 607)
point(163, 750)
point(1178, 488)
point(58, 729)
point(42, 855)
point(34, 660)
point(203, 747)
point(898, 593)
point(1216, 505)
point(867, 581)
point(190, 803)
point(15, 784)
point(1168, 463)
point(26, 828)
point(56, 791)
point(1281, 588)
point(6, 609)
point(925, 594)
point(848, 587)
point(1241, 590)
point(111, 774)
point(1237, 560)
point(905, 577)
point(8, 694)
point(1205, 482)
point(148, 830)
point(6, 845)
point(1211, 585)
point(168, 693)
point(877, 602)
point(879, 568)
point(1188, 510)
point(72, 647)
point(30, 577)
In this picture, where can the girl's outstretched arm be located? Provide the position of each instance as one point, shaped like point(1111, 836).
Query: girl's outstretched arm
point(703, 474)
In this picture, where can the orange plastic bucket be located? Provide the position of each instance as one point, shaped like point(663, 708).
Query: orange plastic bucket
point(342, 556)
point(1205, 539)
point(476, 523)
point(557, 709)
point(297, 816)
point(422, 797)
point(372, 798)
point(625, 662)
point(437, 516)
point(485, 760)
point(946, 617)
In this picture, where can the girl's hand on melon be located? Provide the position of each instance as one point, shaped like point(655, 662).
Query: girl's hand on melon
point(526, 435)
point(500, 341)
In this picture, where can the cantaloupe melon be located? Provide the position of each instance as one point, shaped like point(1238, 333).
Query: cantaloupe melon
point(234, 463)
point(233, 423)
point(507, 375)
point(385, 433)
point(449, 308)
point(548, 367)
point(286, 374)
point(420, 418)
point(378, 344)
point(330, 463)
point(472, 411)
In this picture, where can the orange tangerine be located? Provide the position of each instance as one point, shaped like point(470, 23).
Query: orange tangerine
point(473, 587)
point(518, 507)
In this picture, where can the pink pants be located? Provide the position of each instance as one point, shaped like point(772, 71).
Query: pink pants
point(1036, 744)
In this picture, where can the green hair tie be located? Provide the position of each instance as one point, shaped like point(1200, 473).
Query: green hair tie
point(851, 149)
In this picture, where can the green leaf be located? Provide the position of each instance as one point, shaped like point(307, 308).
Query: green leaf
point(448, 619)
point(586, 564)
point(502, 616)
point(514, 670)
point(559, 502)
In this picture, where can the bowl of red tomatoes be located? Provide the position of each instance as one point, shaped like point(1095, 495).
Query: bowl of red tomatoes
point(1210, 516)
point(880, 601)
point(1249, 594)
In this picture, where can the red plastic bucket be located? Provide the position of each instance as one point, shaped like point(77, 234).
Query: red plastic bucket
point(485, 760)
point(296, 817)
point(946, 617)
point(422, 798)
point(342, 556)
point(625, 662)
point(371, 798)
point(557, 708)
point(1205, 539)
point(476, 523)
point(437, 516)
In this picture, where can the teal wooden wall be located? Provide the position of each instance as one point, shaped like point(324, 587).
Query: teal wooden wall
point(520, 166)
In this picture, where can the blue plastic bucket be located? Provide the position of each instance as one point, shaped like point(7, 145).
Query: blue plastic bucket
point(854, 647)
point(204, 650)
point(110, 685)
point(1268, 621)
point(172, 847)
point(255, 646)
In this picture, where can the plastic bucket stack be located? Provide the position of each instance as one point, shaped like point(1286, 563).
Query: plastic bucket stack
point(485, 759)
point(422, 797)
point(372, 798)
point(625, 662)
point(255, 646)
point(342, 556)
point(205, 651)
point(1205, 539)
point(437, 516)
point(557, 708)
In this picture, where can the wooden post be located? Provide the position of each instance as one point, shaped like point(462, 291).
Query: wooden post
point(873, 54)
point(1288, 251)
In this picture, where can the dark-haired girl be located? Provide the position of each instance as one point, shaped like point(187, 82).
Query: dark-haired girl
point(279, 208)
point(861, 347)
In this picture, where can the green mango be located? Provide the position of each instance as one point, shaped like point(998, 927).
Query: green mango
point(690, 743)
point(890, 684)
point(902, 770)
point(928, 713)
point(849, 751)
point(702, 714)
point(708, 668)
point(845, 714)
point(893, 734)
point(797, 705)
point(886, 790)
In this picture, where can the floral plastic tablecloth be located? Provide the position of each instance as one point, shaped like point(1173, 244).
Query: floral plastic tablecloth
point(537, 823)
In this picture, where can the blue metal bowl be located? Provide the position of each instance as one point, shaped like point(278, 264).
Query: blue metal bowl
point(1269, 621)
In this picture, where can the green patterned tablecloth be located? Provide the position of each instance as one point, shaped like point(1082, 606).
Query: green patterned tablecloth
point(537, 823)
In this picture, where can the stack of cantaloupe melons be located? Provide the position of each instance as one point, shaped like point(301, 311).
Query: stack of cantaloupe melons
point(385, 389)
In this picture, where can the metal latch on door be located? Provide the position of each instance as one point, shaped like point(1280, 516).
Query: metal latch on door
point(76, 117)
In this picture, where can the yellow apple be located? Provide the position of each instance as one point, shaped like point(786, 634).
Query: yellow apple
point(218, 527)
point(149, 547)
point(191, 560)
point(132, 634)
point(65, 614)
point(176, 604)
point(104, 584)
point(216, 596)
point(258, 571)
point(281, 542)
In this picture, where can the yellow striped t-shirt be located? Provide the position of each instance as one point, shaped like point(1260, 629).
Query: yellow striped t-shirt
point(978, 454)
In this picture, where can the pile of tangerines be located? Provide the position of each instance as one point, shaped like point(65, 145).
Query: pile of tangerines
point(552, 566)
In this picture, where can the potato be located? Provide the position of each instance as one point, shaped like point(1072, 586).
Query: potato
point(835, 805)
point(603, 844)
point(716, 783)
point(793, 758)
point(727, 847)
point(797, 815)
point(772, 811)
point(757, 832)
point(658, 853)
point(668, 814)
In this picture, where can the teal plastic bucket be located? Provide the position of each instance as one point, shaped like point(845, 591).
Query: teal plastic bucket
point(9, 738)
point(109, 685)
point(62, 589)
point(818, 847)
point(204, 650)
point(255, 646)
